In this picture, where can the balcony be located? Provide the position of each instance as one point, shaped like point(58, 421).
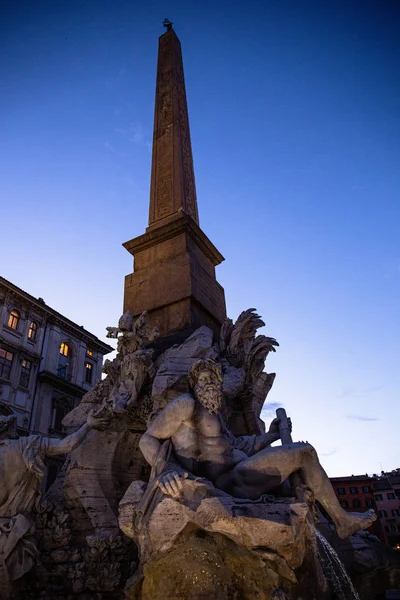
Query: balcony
point(64, 373)
point(61, 381)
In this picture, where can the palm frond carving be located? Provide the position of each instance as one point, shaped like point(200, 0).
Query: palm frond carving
point(244, 349)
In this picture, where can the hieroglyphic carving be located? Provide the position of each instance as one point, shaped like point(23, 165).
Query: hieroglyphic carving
point(173, 185)
point(189, 199)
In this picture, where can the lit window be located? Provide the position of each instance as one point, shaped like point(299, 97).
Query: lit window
point(390, 496)
point(6, 359)
point(32, 331)
point(64, 349)
point(13, 319)
point(25, 372)
point(88, 372)
point(64, 362)
point(341, 491)
point(378, 497)
point(353, 490)
point(89, 352)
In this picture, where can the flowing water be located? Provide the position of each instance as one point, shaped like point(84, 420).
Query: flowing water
point(334, 571)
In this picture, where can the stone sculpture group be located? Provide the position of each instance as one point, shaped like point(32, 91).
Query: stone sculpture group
point(213, 470)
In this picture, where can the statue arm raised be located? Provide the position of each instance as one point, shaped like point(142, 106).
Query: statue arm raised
point(72, 441)
point(165, 425)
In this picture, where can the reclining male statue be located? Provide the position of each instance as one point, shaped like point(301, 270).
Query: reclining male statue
point(22, 471)
point(244, 467)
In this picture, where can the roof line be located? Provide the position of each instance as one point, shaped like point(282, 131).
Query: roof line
point(52, 311)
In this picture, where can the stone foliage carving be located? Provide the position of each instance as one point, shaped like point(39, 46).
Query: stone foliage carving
point(245, 353)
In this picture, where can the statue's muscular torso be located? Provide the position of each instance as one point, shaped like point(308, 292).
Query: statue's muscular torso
point(201, 443)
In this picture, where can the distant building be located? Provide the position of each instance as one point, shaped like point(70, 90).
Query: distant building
point(386, 488)
point(47, 362)
point(355, 494)
point(380, 492)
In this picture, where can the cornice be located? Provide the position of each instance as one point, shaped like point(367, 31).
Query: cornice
point(177, 225)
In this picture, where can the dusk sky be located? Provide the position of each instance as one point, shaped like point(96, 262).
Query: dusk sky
point(294, 110)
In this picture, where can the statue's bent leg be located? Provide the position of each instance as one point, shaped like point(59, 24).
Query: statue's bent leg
point(265, 470)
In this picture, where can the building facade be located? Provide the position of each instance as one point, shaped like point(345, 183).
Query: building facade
point(355, 494)
point(380, 492)
point(47, 362)
point(386, 487)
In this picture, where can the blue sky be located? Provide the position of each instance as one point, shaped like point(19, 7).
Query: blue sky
point(295, 121)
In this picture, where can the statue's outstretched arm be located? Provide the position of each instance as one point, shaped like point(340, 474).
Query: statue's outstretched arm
point(70, 442)
point(165, 425)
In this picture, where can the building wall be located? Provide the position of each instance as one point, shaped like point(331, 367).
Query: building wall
point(355, 494)
point(40, 399)
point(387, 497)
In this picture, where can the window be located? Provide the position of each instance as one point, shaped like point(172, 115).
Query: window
point(390, 496)
point(344, 504)
point(396, 512)
point(89, 352)
point(64, 349)
point(366, 489)
point(378, 497)
point(64, 366)
point(6, 359)
point(88, 372)
point(341, 491)
point(353, 490)
point(13, 319)
point(382, 513)
point(32, 331)
point(369, 502)
point(356, 503)
point(25, 372)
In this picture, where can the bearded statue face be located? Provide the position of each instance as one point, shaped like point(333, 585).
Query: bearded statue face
point(8, 427)
point(208, 390)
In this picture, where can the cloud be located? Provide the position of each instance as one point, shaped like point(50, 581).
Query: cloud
point(333, 451)
point(270, 406)
point(108, 146)
point(361, 418)
point(352, 392)
point(133, 133)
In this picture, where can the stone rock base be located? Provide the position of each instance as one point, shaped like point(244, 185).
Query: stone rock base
point(203, 566)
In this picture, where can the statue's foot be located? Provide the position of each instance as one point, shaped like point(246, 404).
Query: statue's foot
point(354, 521)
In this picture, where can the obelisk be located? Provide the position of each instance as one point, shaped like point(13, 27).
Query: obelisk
point(174, 261)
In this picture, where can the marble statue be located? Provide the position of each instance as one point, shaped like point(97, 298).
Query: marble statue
point(133, 363)
point(245, 467)
point(22, 470)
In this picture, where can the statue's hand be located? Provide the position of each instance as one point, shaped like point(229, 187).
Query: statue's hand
point(171, 483)
point(98, 419)
point(274, 427)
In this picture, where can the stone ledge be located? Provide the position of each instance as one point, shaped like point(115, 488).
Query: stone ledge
point(179, 224)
